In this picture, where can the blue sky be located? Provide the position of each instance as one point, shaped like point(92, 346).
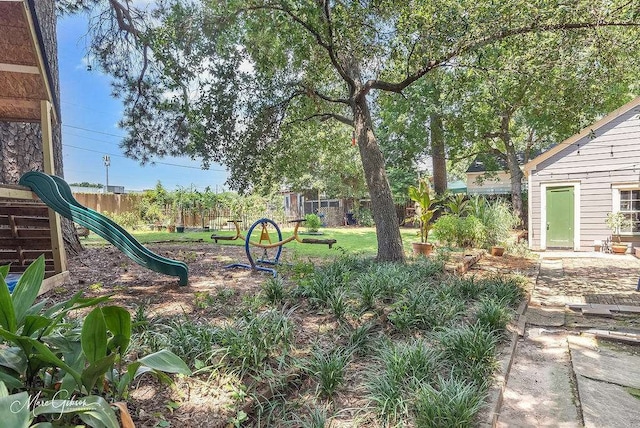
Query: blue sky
point(89, 127)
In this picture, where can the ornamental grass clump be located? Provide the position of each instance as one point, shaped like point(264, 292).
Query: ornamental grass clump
point(506, 288)
point(471, 352)
point(328, 369)
point(401, 369)
point(450, 403)
point(494, 315)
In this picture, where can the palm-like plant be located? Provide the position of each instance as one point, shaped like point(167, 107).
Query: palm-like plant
point(426, 207)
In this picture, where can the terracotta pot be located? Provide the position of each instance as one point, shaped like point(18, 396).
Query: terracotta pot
point(171, 229)
point(497, 251)
point(618, 248)
point(422, 248)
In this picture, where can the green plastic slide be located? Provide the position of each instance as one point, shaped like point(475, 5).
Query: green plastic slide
point(55, 192)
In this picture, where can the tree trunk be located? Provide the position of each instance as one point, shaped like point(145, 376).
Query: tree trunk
point(21, 148)
point(516, 183)
point(382, 204)
point(438, 158)
point(514, 169)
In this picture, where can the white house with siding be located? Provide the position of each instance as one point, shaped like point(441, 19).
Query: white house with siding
point(573, 185)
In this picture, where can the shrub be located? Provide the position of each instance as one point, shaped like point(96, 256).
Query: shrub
point(364, 217)
point(312, 222)
point(498, 221)
point(460, 231)
point(127, 219)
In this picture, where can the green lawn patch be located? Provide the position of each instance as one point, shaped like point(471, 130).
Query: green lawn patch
point(360, 240)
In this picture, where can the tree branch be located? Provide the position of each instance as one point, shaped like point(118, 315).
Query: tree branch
point(326, 116)
point(321, 42)
point(313, 92)
point(124, 18)
point(478, 43)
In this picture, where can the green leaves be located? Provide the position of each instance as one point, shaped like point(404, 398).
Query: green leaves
point(94, 336)
point(14, 307)
point(165, 361)
point(27, 288)
point(7, 313)
point(14, 409)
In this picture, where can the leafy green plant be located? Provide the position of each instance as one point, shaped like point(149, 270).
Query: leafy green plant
point(368, 290)
point(127, 219)
point(460, 232)
point(406, 366)
point(359, 340)
point(426, 207)
point(457, 204)
point(312, 222)
point(46, 354)
point(465, 287)
point(321, 285)
point(338, 303)
point(93, 410)
point(423, 308)
point(499, 220)
point(617, 222)
point(202, 299)
point(189, 340)
point(364, 217)
point(249, 342)
point(508, 289)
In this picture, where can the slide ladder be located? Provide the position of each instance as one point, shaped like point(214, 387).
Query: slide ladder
point(56, 193)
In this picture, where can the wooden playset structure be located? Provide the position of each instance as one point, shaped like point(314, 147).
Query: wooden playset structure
point(28, 228)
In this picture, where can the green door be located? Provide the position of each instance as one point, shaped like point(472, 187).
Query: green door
point(560, 217)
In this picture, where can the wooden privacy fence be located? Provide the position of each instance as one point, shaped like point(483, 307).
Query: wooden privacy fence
point(25, 234)
point(214, 218)
point(109, 202)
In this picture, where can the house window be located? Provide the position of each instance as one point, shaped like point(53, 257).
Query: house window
point(630, 207)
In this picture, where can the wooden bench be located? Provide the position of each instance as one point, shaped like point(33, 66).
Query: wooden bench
point(217, 238)
point(328, 242)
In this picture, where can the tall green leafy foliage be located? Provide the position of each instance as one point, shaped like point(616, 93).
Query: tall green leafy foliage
point(43, 356)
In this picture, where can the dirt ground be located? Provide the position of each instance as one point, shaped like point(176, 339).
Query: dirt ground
point(204, 401)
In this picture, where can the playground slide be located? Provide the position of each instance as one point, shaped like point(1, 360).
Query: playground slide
point(55, 192)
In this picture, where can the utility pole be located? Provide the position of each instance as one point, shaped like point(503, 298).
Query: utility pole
point(107, 163)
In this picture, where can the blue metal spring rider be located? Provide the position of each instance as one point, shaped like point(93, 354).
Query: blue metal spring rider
point(271, 251)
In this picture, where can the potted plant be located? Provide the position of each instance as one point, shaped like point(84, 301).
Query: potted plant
point(425, 210)
point(497, 250)
point(616, 222)
point(499, 222)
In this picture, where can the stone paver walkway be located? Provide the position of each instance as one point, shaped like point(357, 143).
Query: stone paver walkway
point(559, 377)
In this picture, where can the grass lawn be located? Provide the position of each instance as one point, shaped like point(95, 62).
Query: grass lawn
point(359, 240)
